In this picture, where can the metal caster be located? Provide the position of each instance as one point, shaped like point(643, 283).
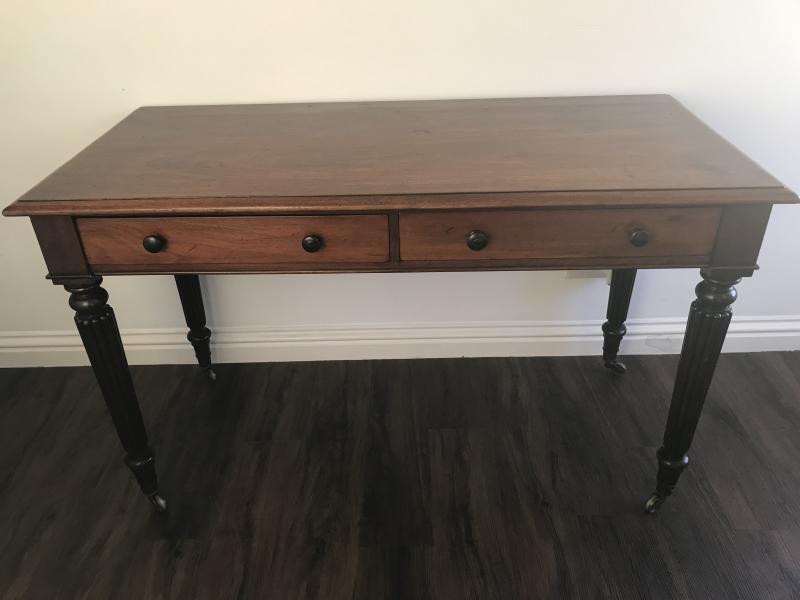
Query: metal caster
point(616, 366)
point(653, 503)
point(210, 374)
point(159, 504)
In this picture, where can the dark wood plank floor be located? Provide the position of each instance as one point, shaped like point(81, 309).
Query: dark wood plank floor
point(443, 479)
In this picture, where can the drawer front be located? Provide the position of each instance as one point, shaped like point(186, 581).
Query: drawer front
point(545, 234)
point(210, 241)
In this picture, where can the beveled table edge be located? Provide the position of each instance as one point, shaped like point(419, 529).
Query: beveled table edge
point(562, 199)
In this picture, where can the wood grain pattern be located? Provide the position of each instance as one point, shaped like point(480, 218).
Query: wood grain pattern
point(431, 241)
point(497, 479)
point(741, 231)
point(230, 240)
point(271, 153)
point(61, 247)
point(543, 234)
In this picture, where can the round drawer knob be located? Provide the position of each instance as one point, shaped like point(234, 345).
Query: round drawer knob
point(154, 243)
point(477, 240)
point(640, 237)
point(312, 243)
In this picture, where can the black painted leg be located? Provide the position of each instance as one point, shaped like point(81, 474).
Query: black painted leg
point(98, 329)
point(708, 322)
point(199, 335)
point(619, 299)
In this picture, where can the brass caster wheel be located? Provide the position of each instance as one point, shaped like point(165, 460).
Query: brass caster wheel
point(653, 503)
point(158, 502)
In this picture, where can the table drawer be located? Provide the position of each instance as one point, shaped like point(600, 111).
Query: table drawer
point(543, 234)
point(210, 241)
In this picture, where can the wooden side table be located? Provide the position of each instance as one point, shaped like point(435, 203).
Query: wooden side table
point(617, 182)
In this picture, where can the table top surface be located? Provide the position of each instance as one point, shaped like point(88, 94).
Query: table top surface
point(173, 158)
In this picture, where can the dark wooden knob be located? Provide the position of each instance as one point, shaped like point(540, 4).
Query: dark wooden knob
point(477, 240)
point(312, 243)
point(640, 237)
point(154, 243)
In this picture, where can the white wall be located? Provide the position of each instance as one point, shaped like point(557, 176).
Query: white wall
point(70, 70)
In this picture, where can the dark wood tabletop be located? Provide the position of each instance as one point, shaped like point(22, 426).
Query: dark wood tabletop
point(524, 152)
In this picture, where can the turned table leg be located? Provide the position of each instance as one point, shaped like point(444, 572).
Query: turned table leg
point(100, 334)
point(619, 299)
point(199, 335)
point(709, 317)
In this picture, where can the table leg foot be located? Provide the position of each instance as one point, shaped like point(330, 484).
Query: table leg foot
point(144, 469)
point(668, 473)
point(619, 299)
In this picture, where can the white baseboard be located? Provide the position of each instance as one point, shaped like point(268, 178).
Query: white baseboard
point(407, 340)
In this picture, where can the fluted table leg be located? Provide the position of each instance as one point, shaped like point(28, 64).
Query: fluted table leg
point(619, 299)
point(199, 335)
point(98, 330)
point(708, 322)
